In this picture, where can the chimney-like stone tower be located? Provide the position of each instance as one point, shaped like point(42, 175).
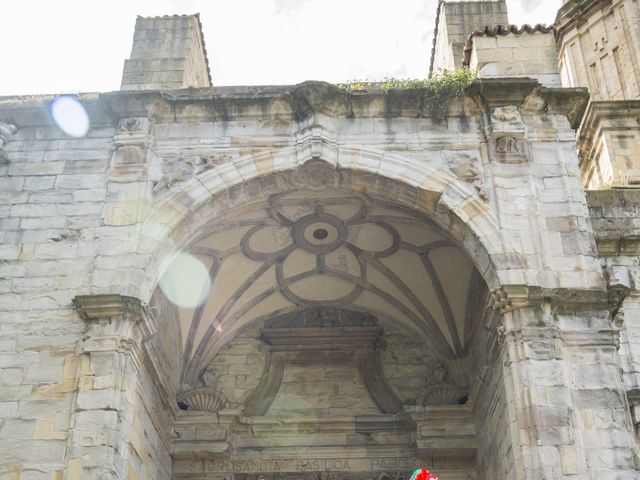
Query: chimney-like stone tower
point(455, 21)
point(168, 52)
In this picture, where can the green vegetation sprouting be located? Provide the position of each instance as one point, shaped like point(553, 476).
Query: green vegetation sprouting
point(446, 84)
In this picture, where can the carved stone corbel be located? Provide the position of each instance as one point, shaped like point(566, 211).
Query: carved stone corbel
point(131, 141)
point(130, 162)
point(313, 144)
point(507, 134)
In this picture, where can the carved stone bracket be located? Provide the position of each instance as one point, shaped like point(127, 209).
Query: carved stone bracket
point(507, 134)
point(313, 144)
point(131, 141)
point(6, 132)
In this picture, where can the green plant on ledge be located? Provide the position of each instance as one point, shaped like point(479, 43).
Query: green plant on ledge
point(454, 82)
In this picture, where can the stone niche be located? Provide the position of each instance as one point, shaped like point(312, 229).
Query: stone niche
point(322, 404)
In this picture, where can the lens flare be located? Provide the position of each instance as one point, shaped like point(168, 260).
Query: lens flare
point(186, 281)
point(70, 116)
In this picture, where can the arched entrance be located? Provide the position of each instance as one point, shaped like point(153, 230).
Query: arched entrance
point(323, 329)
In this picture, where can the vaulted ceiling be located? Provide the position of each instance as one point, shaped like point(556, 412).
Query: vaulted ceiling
point(330, 248)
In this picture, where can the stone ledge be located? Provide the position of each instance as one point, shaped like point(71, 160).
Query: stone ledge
point(94, 307)
point(298, 102)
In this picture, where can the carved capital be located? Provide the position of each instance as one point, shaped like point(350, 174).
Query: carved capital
point(104, 309)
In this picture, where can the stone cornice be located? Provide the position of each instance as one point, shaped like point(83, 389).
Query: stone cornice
point(595, 116)
point(575, 13)
point(301, 102)
point(512, 297)
point(94, 307)
point(99, 307)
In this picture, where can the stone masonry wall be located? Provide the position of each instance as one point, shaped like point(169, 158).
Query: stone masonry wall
point(51, 190)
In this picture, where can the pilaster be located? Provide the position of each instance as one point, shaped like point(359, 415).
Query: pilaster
point(567, 407)
point(111, 352)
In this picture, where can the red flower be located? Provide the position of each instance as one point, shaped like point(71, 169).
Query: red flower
point(425, 474)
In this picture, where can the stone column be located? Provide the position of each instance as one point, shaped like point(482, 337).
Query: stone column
point(566, 405)
point(111, 359)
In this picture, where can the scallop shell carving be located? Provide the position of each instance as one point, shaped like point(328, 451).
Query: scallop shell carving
point(203, 400)
point(443, 394)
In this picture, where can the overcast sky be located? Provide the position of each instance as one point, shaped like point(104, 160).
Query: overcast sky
point(56, 46)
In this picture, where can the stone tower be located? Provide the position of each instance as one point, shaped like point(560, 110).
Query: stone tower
point(455, 21)
point(168, 52)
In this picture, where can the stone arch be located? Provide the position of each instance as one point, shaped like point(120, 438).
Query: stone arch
point(437, 194)
point(450, 204)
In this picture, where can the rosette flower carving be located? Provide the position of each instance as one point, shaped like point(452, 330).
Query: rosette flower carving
point(312, 241)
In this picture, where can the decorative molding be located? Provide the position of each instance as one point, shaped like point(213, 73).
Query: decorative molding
point(575, 14)
point(605, 118)
point(263, 395)
point(314, 144)
point(332, 338)
point(104, 306)
point(368, 424)
point(380, 391)
point(512, 297)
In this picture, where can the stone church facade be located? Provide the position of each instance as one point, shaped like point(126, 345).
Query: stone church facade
point(307, 282)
